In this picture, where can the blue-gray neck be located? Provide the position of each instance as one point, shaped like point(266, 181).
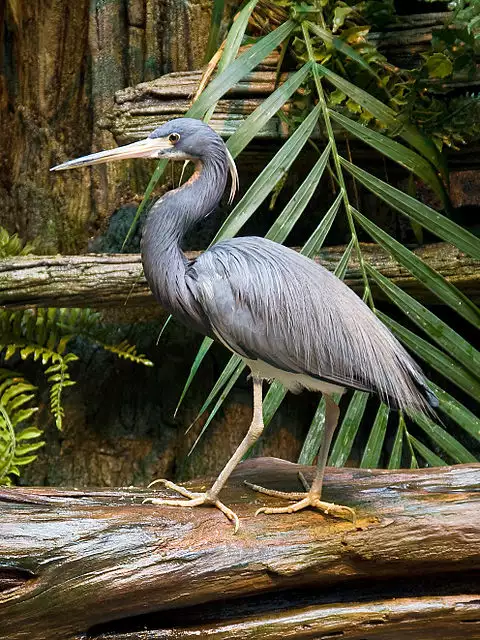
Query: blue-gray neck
point(169, 220)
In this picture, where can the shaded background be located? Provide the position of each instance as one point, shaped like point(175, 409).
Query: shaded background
point(61, 64)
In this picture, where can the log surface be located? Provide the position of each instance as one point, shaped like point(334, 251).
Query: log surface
point(101, 562)
point(106, 280)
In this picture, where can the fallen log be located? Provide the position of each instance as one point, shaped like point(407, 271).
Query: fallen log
point(101, 563)
point(107, 280)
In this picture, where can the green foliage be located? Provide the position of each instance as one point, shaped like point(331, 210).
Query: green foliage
point(344, 81)
point(343, 41)
point(43, 336)
point(11, 245)
point(17, 443)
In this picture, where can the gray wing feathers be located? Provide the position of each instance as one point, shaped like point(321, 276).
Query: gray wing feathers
point(268, 302)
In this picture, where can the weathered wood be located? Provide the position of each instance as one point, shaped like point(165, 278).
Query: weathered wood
point(428, 618)
point(73, 560)
point(109, 280)
point(141, 108)
point(60, 65)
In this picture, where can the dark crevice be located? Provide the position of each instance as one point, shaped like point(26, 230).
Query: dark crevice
point(277, 603)
point(477, 621)
point(13, 578)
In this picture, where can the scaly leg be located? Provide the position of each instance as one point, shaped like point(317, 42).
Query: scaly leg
point(210, 497)
point(313, 495)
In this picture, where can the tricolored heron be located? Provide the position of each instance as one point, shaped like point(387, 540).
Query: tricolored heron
point(288, 318)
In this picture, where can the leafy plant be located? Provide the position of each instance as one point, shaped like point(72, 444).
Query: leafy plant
point(328, 38)
point(419, 95)
point(44, 336)
point(17, 444)
point(11, 245)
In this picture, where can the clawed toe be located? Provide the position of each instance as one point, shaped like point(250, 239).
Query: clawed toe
point(192, 500)
point(329, 508)
point(174, 487)
point(286, 495)
point(302, 501)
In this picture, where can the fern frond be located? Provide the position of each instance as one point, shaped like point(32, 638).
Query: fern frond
point(58, 377)
point(16, 444)
point(42, 335)
point(127, 351)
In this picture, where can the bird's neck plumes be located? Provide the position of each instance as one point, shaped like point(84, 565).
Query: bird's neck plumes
point(177, 211)
point(172, 216)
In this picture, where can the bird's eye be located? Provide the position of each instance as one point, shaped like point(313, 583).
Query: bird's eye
point(174, 137)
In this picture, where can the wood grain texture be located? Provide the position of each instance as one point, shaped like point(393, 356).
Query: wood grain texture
point(110, 280)
point(60, 66)
point(428, 618)
point(73, 560)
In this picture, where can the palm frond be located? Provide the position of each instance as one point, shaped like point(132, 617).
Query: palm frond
point(403, 142)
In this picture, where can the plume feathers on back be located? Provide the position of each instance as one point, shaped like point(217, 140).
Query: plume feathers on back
point(268, 302)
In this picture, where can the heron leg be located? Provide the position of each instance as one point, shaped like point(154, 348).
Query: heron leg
point(210, 497)
point(313, 493)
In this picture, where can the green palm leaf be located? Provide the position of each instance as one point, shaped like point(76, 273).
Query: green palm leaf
point(232, 44)
point(438, 360)
point(457, 412)
point(222, 380)
point(348, 429)
point(429, 218)
point(442, 438)
point(395, 151)
point(226, 390)
point(389, 117)
point(313, 440)
point(265, 182)
point(266, 110)
point(202, 352)
point(215, 23)
point(427, 454)
point(374, 446)
point(437, 330)
point(239, 68)
point(395, 461)
point(296, 206)
point(446, 291)
point(316, 240)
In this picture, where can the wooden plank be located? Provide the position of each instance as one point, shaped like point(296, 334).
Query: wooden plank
point(76, 559)
point(106, 280)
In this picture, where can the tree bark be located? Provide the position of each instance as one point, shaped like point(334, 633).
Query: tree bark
point(110, 280)
point(101, 562)
point(60, 66)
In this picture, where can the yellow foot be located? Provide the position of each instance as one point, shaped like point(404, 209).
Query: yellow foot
point(302, 501)
point(193, 500)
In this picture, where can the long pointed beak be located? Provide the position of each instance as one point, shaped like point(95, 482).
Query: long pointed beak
point(147, 148)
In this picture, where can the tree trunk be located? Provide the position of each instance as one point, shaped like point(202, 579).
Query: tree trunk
point(60, 66)
point(103, 563)
point(110, 280)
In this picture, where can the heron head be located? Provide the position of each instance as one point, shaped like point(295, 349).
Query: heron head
point(186, 139)
point(179, 139)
